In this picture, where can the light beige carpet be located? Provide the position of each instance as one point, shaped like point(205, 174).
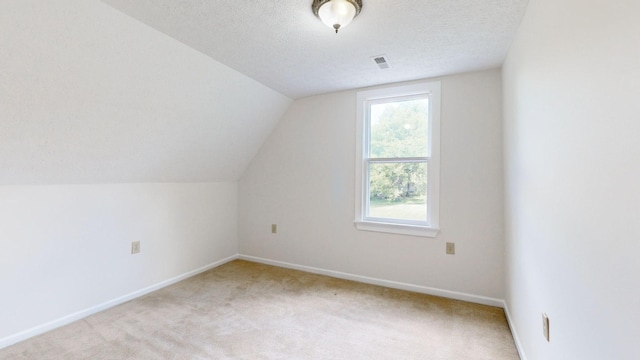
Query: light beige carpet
point(243, 310)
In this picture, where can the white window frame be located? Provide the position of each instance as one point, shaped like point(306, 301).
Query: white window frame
point(429, 228)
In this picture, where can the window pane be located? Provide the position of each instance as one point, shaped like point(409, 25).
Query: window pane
point(398, 191)
point(399, 129)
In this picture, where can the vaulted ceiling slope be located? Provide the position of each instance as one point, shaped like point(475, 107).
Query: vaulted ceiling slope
point(90, 95)
point(282, 45)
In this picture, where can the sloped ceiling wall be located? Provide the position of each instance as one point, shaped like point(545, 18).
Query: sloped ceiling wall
point(90, 95)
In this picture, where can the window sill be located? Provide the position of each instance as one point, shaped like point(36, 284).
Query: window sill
point(413, 230)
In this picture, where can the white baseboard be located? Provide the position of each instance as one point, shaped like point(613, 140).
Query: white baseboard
point(513, 333)
point(380, 282)
point(40, 329)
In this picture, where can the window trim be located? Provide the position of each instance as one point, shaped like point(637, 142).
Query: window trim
point(431, 228)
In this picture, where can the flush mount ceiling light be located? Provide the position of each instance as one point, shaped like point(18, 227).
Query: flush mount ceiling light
point(336, 14)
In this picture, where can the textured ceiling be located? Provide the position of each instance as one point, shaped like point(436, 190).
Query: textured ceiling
point(282, 45)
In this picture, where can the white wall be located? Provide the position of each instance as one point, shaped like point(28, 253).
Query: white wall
point(89, 95)
point(67, 248)
point(572, 175)
point(303, 180)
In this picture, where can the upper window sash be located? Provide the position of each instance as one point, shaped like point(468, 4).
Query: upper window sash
point(369, 102)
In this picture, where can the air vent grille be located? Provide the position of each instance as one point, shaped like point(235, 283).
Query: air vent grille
point(381, 61)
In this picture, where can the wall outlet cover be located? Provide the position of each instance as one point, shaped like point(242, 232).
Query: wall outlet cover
point(135, 247)
point(545, 326)
point(451, 248)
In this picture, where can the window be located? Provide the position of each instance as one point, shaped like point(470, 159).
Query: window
point(398, 162)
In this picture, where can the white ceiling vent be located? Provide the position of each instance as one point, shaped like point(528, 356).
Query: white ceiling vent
point(381, 61)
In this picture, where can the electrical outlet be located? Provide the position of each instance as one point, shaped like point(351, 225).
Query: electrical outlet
point(274, 228)
point(451, 248)
point(545, 326)
point(135, 247)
